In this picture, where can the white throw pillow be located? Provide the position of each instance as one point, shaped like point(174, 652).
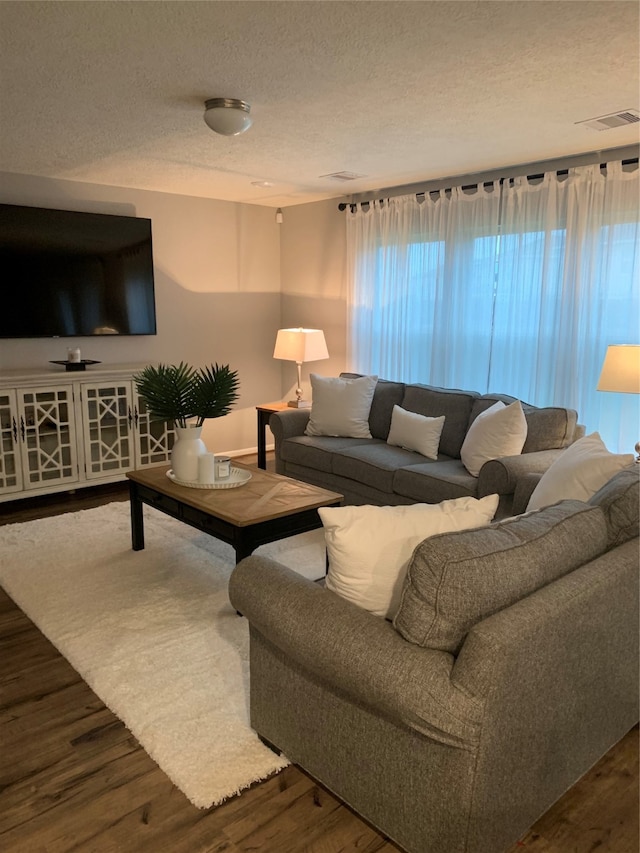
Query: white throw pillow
point(341, 406)
point(499, 431)
point(370, 547)
point(415, 432)
point(577, 474)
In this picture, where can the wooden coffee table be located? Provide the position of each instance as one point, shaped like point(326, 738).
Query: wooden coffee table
point(267, 508)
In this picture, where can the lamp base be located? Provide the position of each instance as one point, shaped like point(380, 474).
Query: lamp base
point(299, 404)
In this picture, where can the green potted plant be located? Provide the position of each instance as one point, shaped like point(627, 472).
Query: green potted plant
point(187, 396)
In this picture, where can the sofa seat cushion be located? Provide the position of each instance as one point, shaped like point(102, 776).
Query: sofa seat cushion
point(457, 579)
point(373, 463)
point(433, 482)
point(316, 451)
point(453, 404)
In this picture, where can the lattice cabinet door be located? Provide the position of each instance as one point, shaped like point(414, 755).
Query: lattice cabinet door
point(47, 436)
point(10, 464)
point(154, 439)
point(108, 428)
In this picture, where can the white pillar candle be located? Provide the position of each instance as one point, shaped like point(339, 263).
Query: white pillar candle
point(73, 355)
point(206, 469)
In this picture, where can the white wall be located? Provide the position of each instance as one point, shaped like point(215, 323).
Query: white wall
point(217, 279)
point(313, 284)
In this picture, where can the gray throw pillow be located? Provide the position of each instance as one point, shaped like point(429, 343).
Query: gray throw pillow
point(620, 501)
point(457, 579)
point(341, 406)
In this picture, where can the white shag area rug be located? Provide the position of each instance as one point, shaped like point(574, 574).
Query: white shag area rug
point(153, 633)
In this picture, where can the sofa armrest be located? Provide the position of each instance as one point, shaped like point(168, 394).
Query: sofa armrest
point(560, 673)
point(524, 490)
point(354, 652)
point(288, 422)
point(500, 476)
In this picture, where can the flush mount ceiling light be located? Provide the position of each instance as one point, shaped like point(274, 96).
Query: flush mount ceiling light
point(227, 116)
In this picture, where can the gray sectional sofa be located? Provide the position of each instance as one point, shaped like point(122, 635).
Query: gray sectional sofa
point(456, 738)
point(370, 471)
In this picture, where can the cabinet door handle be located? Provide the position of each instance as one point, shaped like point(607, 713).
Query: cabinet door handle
point(22, 426)
point(15, 430)
point(135, 416)
point(129, 418)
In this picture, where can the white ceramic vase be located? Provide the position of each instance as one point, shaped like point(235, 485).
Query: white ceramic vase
point(185, 452)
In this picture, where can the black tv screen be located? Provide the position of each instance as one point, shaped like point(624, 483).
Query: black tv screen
point(71, 274)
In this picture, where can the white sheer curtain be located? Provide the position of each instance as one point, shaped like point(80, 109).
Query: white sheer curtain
point(516, 288)
point(409, 300)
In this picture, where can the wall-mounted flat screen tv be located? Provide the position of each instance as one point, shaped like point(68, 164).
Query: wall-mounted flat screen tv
point(72, 274)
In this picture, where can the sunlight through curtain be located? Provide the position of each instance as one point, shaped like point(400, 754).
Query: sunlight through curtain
point(515, 288)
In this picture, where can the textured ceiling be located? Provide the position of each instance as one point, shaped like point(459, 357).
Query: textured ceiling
point(113, 92)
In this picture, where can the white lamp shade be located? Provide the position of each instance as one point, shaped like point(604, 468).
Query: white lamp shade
point(621, 369)
point(227, 116)
point(300, 345)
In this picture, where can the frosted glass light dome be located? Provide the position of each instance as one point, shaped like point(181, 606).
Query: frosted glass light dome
point(227, 116)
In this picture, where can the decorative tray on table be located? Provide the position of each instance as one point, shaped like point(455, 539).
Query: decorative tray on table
point(76, 365)
point(238, 477)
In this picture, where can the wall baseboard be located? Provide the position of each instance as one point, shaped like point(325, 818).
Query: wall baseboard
point(246, 451)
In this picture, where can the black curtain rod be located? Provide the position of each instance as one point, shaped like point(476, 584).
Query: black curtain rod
point(353, 205)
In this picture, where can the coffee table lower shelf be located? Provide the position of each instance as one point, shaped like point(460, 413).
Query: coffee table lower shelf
point(244, 538)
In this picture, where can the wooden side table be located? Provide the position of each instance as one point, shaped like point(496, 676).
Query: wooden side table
point(264, 412)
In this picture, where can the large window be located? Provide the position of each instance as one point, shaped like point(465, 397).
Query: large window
point(515, 288)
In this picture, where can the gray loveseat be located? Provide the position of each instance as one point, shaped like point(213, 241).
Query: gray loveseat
point(452, 730)
point(370, 471)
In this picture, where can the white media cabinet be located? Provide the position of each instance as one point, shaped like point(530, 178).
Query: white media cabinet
point(62, 430)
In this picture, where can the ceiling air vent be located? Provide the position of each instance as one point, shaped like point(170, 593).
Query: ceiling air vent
point(343, 176)
point(613, 120)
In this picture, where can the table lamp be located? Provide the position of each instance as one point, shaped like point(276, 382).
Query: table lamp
point(621, 373)
point(300, 345)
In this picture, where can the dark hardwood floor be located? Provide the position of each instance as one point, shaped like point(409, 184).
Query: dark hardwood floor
point(73, 778)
